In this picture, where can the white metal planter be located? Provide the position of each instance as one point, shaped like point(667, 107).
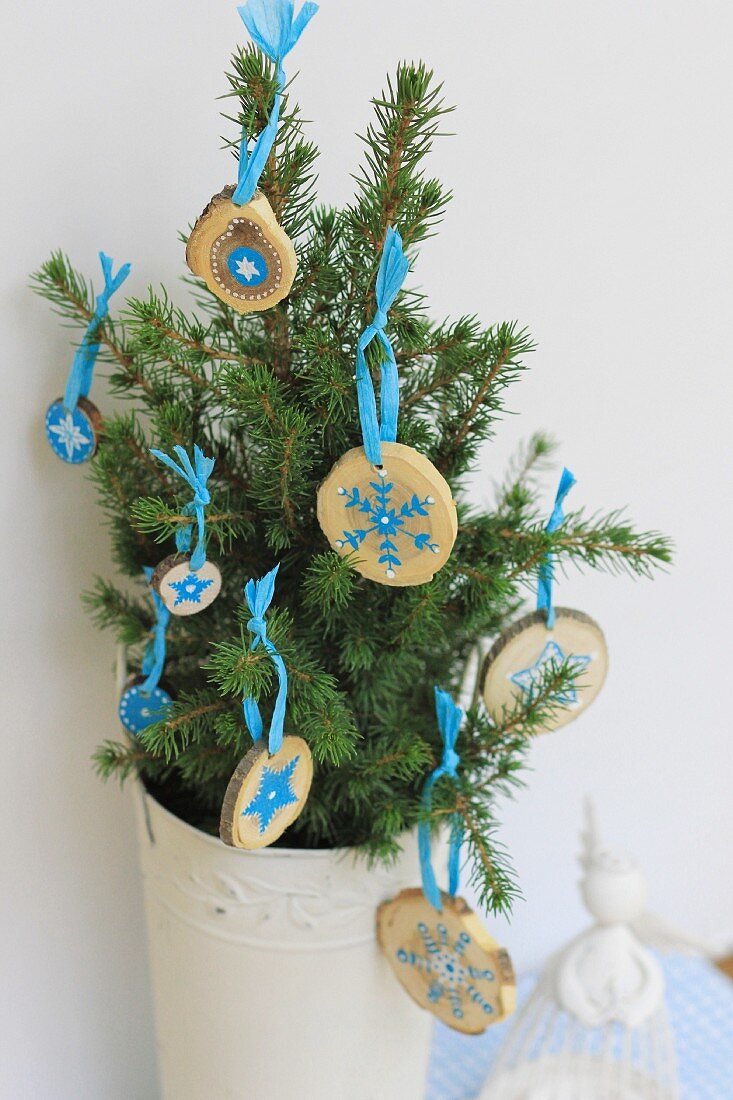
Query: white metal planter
point(267, 978)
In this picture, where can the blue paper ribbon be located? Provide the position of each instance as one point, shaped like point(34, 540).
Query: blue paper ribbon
point(81, 374)
point(450, 717)
point(393, 267)
point(275, 28)
point(259, 597)
point(154, 659)
point(196, 475)
point(544, 580)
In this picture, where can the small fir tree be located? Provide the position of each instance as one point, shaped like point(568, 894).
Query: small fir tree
point(272, 397)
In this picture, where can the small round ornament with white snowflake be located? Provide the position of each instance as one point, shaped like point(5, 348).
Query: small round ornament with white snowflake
point(271, 783)
point(237, 246)
point(144, 701)
point(384, 504)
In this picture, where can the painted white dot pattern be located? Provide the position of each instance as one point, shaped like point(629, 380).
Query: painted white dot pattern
point(218, 262)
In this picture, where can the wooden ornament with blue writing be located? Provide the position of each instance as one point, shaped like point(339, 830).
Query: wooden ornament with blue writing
point(266, 794)
point(447, 961)
point(398, 520)
point(74, 434)
point(139, 709)
point(185, 591)
point(241, 253)
point(517, 661)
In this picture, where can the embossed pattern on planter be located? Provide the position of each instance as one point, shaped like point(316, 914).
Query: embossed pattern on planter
point(274, 898)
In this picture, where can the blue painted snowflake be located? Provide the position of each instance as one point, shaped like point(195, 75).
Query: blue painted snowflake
point(69, 433)
point(530, 679)
point(189, 589)
point(444, 965)
point(384, 521)
point(274, 792)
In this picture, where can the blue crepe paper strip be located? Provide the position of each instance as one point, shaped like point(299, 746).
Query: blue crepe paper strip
point(450, 717)
point(196, 475)
point(154, 659)
point(393, 267)
point(544, 580)
point(259, 597)
point(275, 28)
point(81, 374)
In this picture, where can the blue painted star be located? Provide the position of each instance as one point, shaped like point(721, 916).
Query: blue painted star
point(273, 793)
point(529, 679)
point(189, 589)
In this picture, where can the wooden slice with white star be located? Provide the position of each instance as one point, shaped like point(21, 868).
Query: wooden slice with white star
point(185, 591)
point(266, 793)
point(447, 961)
point(139, 709)
point(241, 253)
point(74, 434)
point(398, 519)
point(517, 662)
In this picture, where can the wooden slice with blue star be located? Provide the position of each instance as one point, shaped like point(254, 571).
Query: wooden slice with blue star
point(73, 434)
point(517, 663)
point(447, 961)
point(183, 590)
point(139, 709)
point(397, 520)
point(241, 253)
point(266, 793)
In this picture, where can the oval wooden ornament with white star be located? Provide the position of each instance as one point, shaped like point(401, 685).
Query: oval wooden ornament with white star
point(398, 519)
point(241, 253)
point(74, 434)
point(447, 961)
point(516, 663)
point(183, 590)
point(266, 794)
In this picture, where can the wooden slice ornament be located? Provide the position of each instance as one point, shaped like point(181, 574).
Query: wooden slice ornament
point(74, 434)
point(184, 590)
point(74, 423)
point(397, 519)
point(266, 794)
point(385, 504)
point(518, 660)
point(139, 708)
point(447, 961)
point(270, 785)
point(241, 253)
point(237, 246)
point(187, 582)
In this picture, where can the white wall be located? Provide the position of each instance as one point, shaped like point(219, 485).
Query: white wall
point(592, 176)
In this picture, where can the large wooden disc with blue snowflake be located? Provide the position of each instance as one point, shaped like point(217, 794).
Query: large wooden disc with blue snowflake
point(447, 961)
point(241, 253)
point(266, 793)
point(517, 663)
point(73, 434)
point(183, 590)
point(397, 520)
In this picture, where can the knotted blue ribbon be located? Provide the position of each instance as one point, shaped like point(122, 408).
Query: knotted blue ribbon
point(393, 267)
point(275, 28)
point(450, 717)
point(196, 475)
point(259, 597)
point(544, 580)
point(81, 374)
point(154, 659)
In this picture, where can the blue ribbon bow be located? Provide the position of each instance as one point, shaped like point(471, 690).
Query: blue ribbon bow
point(450, 717)
point(393, 267)
point(259, 597)
point(154, 659)
point(545, 576)
point(196, 475)
point(81, 374)
point(275, 28)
